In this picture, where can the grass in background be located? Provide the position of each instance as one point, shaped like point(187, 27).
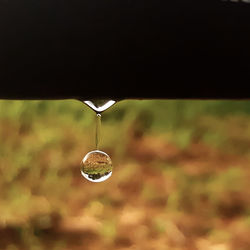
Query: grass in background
point(180, 177)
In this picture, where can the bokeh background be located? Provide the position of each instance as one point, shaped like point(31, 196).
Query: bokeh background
point(180, 179)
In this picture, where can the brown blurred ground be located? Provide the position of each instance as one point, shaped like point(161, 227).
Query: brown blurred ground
point(180, 185)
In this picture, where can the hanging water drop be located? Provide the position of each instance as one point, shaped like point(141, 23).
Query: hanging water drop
point(96, 165)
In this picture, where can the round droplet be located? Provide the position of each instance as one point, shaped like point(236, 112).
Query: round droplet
point(96, 166)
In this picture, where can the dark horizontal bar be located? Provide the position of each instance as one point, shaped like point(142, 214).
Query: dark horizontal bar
point(58, 49)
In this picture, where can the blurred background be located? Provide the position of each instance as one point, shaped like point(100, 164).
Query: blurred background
point(181, 173)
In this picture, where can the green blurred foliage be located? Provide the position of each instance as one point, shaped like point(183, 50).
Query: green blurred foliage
point(181, 174)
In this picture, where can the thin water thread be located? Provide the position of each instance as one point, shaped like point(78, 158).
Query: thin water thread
point(98, 130)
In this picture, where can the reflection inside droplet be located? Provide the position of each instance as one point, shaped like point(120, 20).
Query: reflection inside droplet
point(96, 166)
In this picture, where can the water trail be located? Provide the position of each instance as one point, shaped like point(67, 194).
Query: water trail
point(98, 130)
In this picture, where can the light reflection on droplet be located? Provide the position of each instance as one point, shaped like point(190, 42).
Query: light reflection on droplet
point(100, 105)
point(96, 166)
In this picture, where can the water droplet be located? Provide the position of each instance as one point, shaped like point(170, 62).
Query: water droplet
point(96, 166)
point(100, 105)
